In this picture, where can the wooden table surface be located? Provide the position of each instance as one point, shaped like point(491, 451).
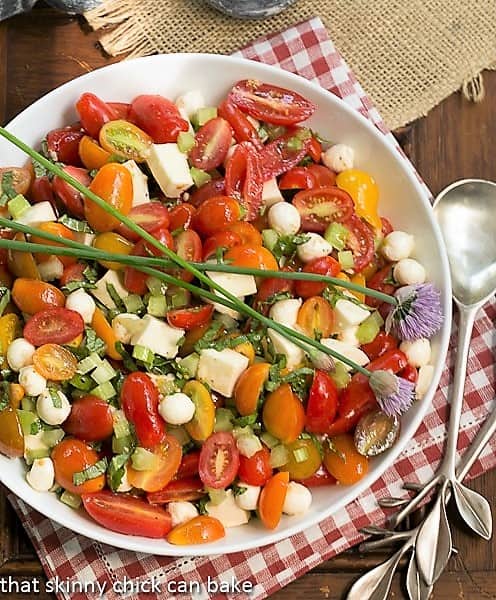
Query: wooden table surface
point(44, 49)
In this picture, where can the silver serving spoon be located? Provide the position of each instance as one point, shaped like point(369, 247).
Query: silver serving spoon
point(250, 9)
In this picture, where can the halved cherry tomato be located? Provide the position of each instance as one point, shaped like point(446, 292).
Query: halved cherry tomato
point(187, 318)
point(243, 129)
point(272, 499)
point(215, 214)
point(189, 465)
point(365, 193)
point(256, 257)
point(92, 155)
point(73, 272)
point(21, 178)
point(121, 109)
point(214, 187)
point(113, 243)
point(322, 403)
point(244, 178)
point(382, 343)
point(90, 419)
point(71, 456)
point(316, 317)
point(69, 196)
point(189, 247)
point(219, 460)
point(127, 515)
point(323, 175)
point(304, 459)
point(212, 142)
point(298, 178)
point(59, 230)
point(53, 326)
point(255, 470)
point(11, 436)
point(114, 184)
point(181, 216)
point(284, 153)
point(202, 425)
point(41, 190)
point(200, 530)
point(139, 400)
point(179, 490)
point(283, 414)
point(270, 103)
point(158, 116)
point(248, 233)
point(409, 373)
point(168, 454)
point(54, 362)
point(104, 330)
point(314, 149)
point(319, 478)
point(31, 295)
point(249, 387)
point(343, 461)
point(393, 360)
point(360, 241)
point(322, 206)
point(268, 289)
point(327, 266)
point(125, 140)
point(93, 113)
point(149, 216)
point(382, 282)
point(220, 240)
point(63, 144)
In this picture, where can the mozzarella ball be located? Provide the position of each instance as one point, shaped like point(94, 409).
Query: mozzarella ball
point(124, 485)
point(32, 382)
point(41, 477)
point(298, 499)
point(20, 354)
point(425, 375)
point(124, 326)
point(315, 247)
point(409, 272)
point(248, 500)
point(418, 352)
point(397, 245)
point(181, 512)
point(176, 409)
point(50, 413)
point(286, 311)
point(82, 303)
point(284, 218)
point(339, 158)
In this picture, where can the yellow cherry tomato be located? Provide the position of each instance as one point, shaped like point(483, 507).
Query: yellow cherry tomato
point(92, 155)
point(365, 193)
point(10, 329)
point(112, 242)
point(202, 424)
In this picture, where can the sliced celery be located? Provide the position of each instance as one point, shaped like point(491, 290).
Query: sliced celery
point(190, 363)
point(337, 235)
point(345, 258)
point(122, 445)
point(223, 419)
point(82, 382)
point(28, 403)
point(156, 287)
point(368, 329)
point(105, 391)
point(199, 176)
point(72, 500)
point(89, 363)
point(143, 354)
point(269, 440)
point(133, 303)
point(216, 496)
point(300, 455)
point(18, 206)
point(340, 376)
point(144, 460)
point(269, 238)
point(185, 141)
point(26, 419)
point(121, 425)
point(51, 437)
point(157, 306)
point(203, 115)
point(104, 372)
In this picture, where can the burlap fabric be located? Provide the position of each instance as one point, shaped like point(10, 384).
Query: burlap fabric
point(408, 54)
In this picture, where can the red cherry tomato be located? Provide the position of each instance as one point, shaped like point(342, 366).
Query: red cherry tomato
point(69, 196)
point(53, 326)
point(221, 239)
point(322, 403)
point(320, 207)
point(93, 113)
point(382, 343)
point(243, 129)
point(314, 149)
point(189, 465)
point(187, 318)
point(158, 117)
point(139, 399)
point(283, 153)
point(212, 142)
point(298, 178)
point(360, 241)
point(393, 360)
point(215, 214)
point(150, 216)
point(244, 178)
point(64, 144)
point(219, 460)
point(73, 272)
point(189, 247)
point(214, 187)
point(181, 216)
point(327, 266)
point(268, 289)
point(120, 109)
point(324, 176)
point(320, 478)
point(382, 282)
point(387, 228)
point(270, 103)
point(42, 191)
point(409, 373)
point(255, 470)
point(185, 490)
point(90, 419)
point(127, 515)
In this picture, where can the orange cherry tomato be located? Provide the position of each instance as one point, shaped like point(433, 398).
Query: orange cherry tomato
point(200, 530)
point(59, 230)
point(272, 499)
point(247, 233)
point(343, 461)
point(92, 155)
point(54, 362)
point(21, 178)
point(32, 295)
point(249, 387)
point(72, 456)
point(215, 214)
point(22, 264)
point(283, 414)
point(221, 239)
point(168, 455)
point(112, 242)
point(316, 316)
point(104, 330)
point(255, 257)
point(114, 184)
point(181, 216)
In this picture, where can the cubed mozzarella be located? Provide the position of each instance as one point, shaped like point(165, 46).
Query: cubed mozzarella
point(51, 269)
point(228, 512)
point(271, 194)
point(125, 326)
point(286, 311)
point(349, 336)
point(141, 194)
point(37, 213)
point(293, 353)
point(348, 314)
point(238, 285)
point(348, 351)
point(221, 369)
point(170, 168)
point(225, 310)
point(100, 291)
point(158, 336)
point(190, 102)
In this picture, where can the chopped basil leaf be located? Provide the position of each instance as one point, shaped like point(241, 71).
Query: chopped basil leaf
point(117, 469)
point(287, 245)
point(7, 187)
point(92, 472)
point(238, 490)
point(90, 274)
point(93, 343)
point(115, 297)
point(244, 421)
point(39, 169)
point(201, 505)
point(75, 225)
point(209, 336)
point(127, 360)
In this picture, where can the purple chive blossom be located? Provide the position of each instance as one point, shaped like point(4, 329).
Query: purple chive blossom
point(418, 313)
point(394, 394)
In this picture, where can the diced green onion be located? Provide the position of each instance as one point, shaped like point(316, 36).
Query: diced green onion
point(51, 437)
point(133, 303)
point(72, 500)
point(89, 363)
point(104, 372)
point(26, 419)
point(269, 238)
point(156, 287)
point(269, 440)
point(279, 456)
point(337, 235)
point(216, 496)
point(82, 382)
point(105, 391)
point(185, 141)
point(121, 425)
point(4, 298)
point(122, 445)
point(144, 460)
point(190, 363)
point(199, 176)
point(340, 375)
point(91, 472)
point(75, 225)
point(368, 329)
point(28, 403)
point(18, 206)
point(157, 306)
point(248, 445)
point(346, 260)
point(203, 115)
point(300, 455)
point(143, 354)
point(223, 419)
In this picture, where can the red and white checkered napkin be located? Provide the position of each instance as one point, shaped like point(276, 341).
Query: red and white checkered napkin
point(304, 49)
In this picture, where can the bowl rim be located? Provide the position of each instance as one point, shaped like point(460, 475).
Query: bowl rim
point(98, 533)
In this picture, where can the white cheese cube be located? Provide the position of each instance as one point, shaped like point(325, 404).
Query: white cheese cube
point(157, 336)
point(293, 353)
point(37, 213)
point(286, 311)
point(238, 285)
point(141, 194)
point(225, 310)
point(85, 238)
point(170, 168)
point(349, 336)
point(349, 314)
point(354, 354)
point(190, 102)
point(221, 369)
point(228, 512)
point(100, 292)
point(51, 269)
point(271, 194)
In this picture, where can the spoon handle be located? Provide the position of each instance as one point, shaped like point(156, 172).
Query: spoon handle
point(478, 444)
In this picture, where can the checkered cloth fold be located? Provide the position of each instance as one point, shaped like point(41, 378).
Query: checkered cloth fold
point(304, 49)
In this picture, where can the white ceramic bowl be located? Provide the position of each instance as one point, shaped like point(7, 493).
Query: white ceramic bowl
point(403, 200)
